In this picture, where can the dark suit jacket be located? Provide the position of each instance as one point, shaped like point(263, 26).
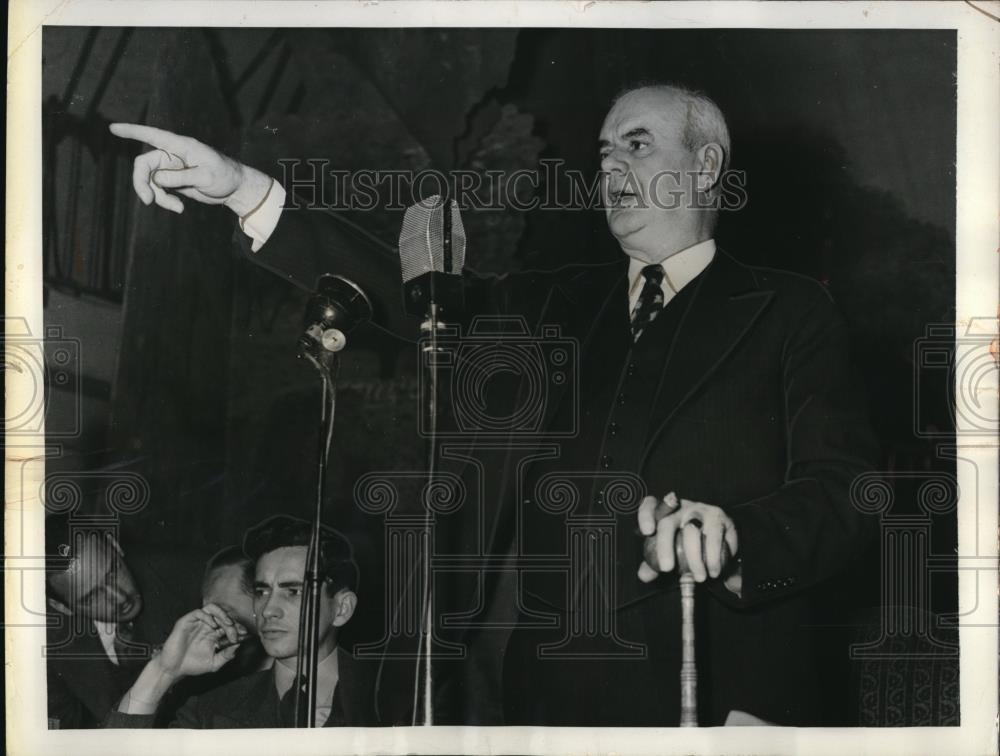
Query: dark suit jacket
point(753, 408)
point(252, 702)
point(82, 683)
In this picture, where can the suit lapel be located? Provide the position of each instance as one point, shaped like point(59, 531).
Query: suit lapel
point(257, 703)
point(602, 338)
point(724, 307)
point(85, 668)
point(351, 696)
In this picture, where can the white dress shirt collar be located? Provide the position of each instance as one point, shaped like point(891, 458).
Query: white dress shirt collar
point(680, 269)
point(107, 631)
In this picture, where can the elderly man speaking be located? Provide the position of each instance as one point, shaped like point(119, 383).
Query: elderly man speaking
point(724, 388)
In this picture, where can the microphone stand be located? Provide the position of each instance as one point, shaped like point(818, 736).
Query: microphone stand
point(430, 326)
point(308, 662)
point(338, 306)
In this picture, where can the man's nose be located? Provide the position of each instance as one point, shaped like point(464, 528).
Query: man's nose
point(613, 163)
point(271, 607)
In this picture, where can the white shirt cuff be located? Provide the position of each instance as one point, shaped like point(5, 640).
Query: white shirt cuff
point(734, 583)
point(259, 223)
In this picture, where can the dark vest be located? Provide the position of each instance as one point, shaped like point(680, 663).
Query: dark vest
point(583, 503)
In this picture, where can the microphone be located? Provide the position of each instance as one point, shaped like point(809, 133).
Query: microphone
point(432, 254)
point(337, 308)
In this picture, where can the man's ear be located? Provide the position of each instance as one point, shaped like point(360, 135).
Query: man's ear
point(710, 160)
point(59, 606)
point(346, 600)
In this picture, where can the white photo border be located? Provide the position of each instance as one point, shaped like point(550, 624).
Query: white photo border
point(977, 276)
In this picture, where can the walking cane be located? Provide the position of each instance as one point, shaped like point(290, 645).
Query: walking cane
point(689, 670)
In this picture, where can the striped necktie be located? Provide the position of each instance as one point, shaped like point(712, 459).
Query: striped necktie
point(650, 301)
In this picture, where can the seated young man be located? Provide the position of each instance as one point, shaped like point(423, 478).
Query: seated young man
point(200, 644)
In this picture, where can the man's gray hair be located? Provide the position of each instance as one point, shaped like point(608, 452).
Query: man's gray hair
point(703, 122)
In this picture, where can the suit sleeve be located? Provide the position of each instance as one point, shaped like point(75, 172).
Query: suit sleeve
point(809, 529)
point(308, 242)
point(116, 720)
point(188, 717)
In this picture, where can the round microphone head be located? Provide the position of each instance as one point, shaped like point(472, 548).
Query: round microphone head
point(338, 303)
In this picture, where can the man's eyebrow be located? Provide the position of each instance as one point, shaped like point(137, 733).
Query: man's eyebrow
point(636, 132)
point(282, 584)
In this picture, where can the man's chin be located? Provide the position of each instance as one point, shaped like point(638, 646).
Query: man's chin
point(277, 648)
point(623, 222)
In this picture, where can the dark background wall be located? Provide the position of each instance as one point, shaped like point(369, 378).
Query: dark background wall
point(188, 368)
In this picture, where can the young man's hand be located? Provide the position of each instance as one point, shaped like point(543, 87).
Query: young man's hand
point(201, 642)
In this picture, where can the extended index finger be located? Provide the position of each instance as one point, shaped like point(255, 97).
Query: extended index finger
point(162, 140)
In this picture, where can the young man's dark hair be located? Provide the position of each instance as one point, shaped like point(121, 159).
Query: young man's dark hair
point(336, 558)
point(61, 549)
point(59, 554)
